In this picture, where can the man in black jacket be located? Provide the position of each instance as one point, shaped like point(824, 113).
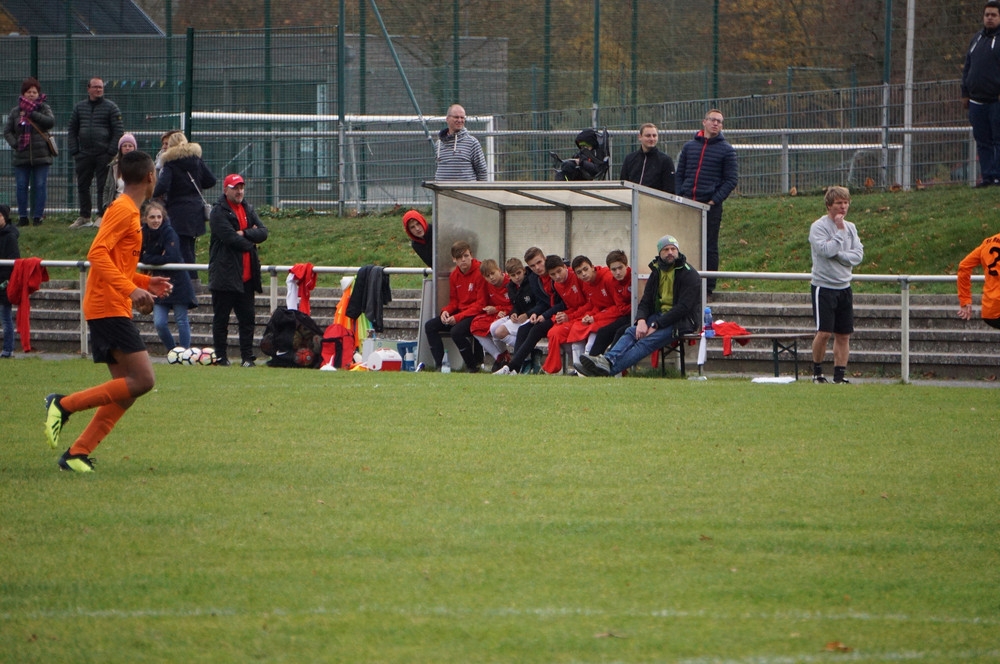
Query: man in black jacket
point(234, 268)
point(669, 308)
point(980, 92)
point(647, 165)
point(94, 130)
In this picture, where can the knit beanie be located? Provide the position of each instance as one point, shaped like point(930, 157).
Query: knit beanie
point(127, 138)
point(667, 240)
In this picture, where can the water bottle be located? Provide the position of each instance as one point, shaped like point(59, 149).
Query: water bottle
point(709, 332)
point(445, 364)
point(409, 361)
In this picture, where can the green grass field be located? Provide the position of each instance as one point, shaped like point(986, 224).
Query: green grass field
point(290, 516)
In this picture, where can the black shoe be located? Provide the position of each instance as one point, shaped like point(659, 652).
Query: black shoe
point(22, 222)
point(248, 364)
point(820, 379)
point(222, 362)
point(840, 381)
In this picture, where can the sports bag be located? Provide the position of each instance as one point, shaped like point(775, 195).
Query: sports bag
point(338, 345)
point(292, 339)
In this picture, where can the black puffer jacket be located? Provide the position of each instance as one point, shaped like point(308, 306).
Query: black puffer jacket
point(37, 153)
point(185, 206)
point(95, 128)
point(8, 250)
point(226, 250)
point(685, 310)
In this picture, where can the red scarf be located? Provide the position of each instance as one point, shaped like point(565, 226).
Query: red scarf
point(241, 217)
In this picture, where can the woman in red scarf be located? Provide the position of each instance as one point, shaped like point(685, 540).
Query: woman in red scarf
point(32, 156)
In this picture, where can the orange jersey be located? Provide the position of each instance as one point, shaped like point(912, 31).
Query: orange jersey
point(114, 255)
point(986, 255)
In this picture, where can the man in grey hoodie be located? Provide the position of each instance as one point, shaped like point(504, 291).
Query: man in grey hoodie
point(836, 249)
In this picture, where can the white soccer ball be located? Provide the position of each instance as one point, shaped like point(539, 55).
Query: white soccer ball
point(191, 355)
point(174, 354)
point(207, 356)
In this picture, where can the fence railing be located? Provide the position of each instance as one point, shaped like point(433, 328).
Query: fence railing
point(274, 283)
point(807, 141)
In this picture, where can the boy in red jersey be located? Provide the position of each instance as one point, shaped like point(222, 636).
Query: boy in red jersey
point(607, 335)
point(599, 288)
point(113, 288)
point(570, 289)
point(497, 307)
point(466, 299)
point(987, 256)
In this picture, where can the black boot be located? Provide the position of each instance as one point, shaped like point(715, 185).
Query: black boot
point(37, 221)
point(22, 222)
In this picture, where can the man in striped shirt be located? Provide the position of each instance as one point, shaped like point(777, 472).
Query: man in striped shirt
point(459, 155)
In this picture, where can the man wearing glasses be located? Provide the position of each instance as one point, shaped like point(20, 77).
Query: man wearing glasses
point(707, 171)
point(459, 155)
point(94, 130)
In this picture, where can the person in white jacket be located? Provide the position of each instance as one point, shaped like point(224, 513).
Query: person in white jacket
point(836, 250)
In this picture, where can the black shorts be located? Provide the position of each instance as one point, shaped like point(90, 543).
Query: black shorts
point(110, 334)
point(833, 309)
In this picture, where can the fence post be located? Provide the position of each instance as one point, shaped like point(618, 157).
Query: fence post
point(82, 266)
point(273, 270)
point(904, 329)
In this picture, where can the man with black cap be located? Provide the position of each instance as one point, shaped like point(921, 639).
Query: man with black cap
point(669, 308)
point(234, 268)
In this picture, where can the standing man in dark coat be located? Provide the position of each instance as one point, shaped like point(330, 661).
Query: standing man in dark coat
point(647, 165)
point(981, 94)
point(94, 130)
point(234, 268)
point(707, 171)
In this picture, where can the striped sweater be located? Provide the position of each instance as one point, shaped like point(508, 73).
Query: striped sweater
point(459, 157)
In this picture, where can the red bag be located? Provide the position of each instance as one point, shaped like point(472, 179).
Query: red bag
point(338, 343)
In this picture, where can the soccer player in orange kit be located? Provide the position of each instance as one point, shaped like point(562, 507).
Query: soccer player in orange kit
point(113, 288)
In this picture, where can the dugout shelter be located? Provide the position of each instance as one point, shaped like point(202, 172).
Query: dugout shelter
point(503, 219)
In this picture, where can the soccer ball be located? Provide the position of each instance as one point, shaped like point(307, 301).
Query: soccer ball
point(191, 355)
point(207, 356)
point(174, 354)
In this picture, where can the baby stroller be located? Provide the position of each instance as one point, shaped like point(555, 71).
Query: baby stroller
point(592, 160)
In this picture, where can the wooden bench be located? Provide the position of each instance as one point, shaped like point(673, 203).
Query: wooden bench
point(782, 343)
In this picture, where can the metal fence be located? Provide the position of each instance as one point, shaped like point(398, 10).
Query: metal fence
point(268, 105)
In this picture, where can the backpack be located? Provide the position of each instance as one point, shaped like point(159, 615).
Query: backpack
point(292, 339)
point(339, 345)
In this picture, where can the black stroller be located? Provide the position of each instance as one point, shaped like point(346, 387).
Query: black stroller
point(592, 160)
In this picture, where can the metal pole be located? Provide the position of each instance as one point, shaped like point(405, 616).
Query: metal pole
point(169, 21)
point(547, 59)
point(270, 172)
point(454, 52)
point(596, 100)
point(363, 92)
point(341, 61)
point(904, 329)
point(908, 97)
point(715, 49)
point(886, 77)
point(635, 62)
point(189, 80)
point(33, 48)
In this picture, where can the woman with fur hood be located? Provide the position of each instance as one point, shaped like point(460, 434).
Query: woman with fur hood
point(181, 184)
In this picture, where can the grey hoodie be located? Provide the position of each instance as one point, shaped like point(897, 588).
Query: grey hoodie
point(834, 253)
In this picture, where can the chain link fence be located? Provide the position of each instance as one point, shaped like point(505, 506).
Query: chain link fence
point(266, 104)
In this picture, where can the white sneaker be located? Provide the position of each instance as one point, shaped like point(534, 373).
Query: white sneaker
point(81, 222)
point(503, 371)
point(97, 222)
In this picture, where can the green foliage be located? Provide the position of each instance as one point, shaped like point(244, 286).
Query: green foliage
point(289, 516)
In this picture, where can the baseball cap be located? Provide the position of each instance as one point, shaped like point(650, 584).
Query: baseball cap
point(232, 180)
